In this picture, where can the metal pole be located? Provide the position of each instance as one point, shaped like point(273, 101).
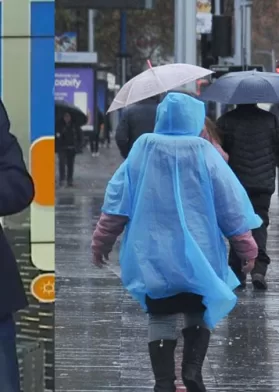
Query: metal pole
point(91, 30)
point(179, 32)
point(273, 59)
point(237, 32)
point(218, 12)
point(123, 46)
point(243, 35)
point(190, 37)
point(248, 44)
point(217, 7)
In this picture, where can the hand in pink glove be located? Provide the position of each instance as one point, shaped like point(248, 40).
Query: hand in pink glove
point(100, 260)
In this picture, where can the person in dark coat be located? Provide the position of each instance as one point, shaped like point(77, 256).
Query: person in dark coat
point(68, 142)
point(16, 194)
point(94, 137)
point(136, 120)
point(251, 139)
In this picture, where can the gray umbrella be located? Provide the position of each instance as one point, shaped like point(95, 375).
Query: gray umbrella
point(245, 87)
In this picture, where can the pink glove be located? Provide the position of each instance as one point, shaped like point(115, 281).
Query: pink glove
point(100, 260)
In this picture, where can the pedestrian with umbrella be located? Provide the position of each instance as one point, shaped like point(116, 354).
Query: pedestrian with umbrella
point(251, 138)
point(68, 139)
point(139, 117)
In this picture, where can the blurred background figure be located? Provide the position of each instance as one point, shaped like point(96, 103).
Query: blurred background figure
point(251, 139)
point(94, 137)
point(105, 134)
point(68, 138)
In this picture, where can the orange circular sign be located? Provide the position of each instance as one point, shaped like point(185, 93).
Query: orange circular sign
point(43, 288)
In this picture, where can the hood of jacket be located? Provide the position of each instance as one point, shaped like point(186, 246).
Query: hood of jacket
point(180, 114)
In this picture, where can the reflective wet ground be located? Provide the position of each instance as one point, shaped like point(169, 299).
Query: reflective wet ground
point(101, 339)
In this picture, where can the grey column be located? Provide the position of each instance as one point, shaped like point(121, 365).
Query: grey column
point(248, 43)
point(179, 32)
point(238, 32)
point(185, 31)
point(190, 37)
point(91, 31)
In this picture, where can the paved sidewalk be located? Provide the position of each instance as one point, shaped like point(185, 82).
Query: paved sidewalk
point(101, 336)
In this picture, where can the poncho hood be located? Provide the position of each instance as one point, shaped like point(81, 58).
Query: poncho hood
point(180, 114)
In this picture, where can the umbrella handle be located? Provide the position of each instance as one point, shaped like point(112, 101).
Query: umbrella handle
point(150, 67)
point(149, 64)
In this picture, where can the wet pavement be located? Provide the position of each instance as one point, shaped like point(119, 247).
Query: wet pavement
point(101, 336)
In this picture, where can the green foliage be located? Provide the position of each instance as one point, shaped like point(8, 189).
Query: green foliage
point(150, 32)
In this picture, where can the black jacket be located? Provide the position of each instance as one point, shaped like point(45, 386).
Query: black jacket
point(135, 121)
point(67, 136)
point(251, 138)
point(16, 193)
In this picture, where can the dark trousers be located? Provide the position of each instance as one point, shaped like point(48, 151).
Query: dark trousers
point(66, 160)
point(9, 373)
point(106, 138)
point(94, 140)
point(261, 204)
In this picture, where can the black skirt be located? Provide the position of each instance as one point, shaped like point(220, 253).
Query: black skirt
point(180, 303)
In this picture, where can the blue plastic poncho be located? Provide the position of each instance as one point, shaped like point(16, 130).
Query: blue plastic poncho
point(182, 199)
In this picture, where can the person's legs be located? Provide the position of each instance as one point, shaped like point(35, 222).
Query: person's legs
point(70, 166)
point(97, 141)
point(162, 343)
point(261, 204)
point(62, 166)
point(196, 342)
point(91, 141)
point(9, 373)
point(108, 138)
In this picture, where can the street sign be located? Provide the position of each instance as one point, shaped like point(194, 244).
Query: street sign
point(221, 70)
point(102, 4)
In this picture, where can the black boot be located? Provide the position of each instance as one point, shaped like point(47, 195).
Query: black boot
point(196, 341)
point(162, 360)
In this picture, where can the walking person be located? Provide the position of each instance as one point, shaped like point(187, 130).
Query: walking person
point(251, 139)
point(94, 137)
point(135, 121)
point(106, 134)
point(68, 140)
point(176, 198)
point(16, 194)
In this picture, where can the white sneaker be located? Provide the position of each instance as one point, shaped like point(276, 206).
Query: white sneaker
point(94, 155)
point(97, 154)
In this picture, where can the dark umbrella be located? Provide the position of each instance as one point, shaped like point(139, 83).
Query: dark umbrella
point(78, 117)
point(247, 87)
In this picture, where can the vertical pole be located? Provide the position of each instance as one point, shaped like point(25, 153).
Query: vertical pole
point(237, 32)
point(123, 45)
point(217, 4)
point(91, 30)
point(273, 61)
point(179, 33)
point(243, 36)
point(190, 37)
point(218, 12)
point(248, 45)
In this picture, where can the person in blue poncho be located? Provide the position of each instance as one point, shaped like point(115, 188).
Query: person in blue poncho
point(176, 199)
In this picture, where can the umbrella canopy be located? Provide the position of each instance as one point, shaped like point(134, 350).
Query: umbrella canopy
point(155, 81)
point(78, 117)
point(247, 87)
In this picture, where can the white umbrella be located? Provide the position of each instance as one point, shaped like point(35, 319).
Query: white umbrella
point(155, 81)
